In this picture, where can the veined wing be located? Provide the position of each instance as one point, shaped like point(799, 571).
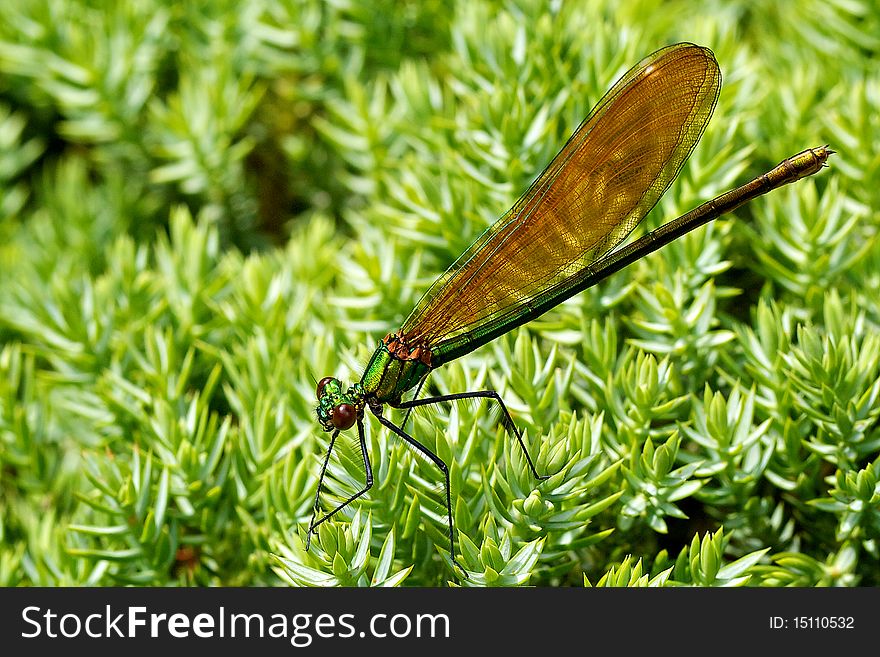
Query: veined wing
point(607, 177)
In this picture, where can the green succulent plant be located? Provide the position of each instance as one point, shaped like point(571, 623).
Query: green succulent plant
point(205, 205)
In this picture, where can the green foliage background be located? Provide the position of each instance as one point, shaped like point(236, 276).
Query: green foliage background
point(204, 204)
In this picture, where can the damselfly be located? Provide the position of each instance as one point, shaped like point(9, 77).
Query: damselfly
point(558, 239)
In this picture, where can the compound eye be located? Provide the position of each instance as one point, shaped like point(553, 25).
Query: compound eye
point(323, 384)
point(343, 416)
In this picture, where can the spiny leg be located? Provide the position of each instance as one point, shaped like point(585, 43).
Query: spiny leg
point(443, 468)
point(415, 396)
point(369, 481)
point(506, 420)
point(318, 491)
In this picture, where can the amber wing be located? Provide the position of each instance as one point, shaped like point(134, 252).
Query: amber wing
point(610, 173)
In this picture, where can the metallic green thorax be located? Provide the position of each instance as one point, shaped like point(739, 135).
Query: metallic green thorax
point(333, 396)
point(396, 366)
point(387, 376)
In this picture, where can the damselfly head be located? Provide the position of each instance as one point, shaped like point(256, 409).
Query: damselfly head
point(338, 409)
